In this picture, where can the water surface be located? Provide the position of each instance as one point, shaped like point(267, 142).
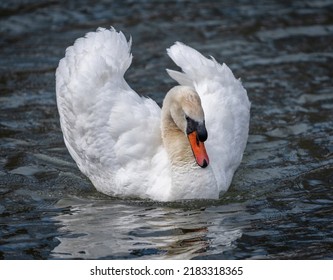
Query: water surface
point(280, 204)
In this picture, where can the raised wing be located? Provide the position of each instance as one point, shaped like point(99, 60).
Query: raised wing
point(108, 128)
point(226, 107)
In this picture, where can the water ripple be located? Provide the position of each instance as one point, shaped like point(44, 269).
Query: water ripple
point(280, 203)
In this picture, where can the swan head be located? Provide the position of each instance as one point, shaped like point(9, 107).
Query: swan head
point(186, 112)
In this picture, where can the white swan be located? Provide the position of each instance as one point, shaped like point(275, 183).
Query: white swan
point(127, 146)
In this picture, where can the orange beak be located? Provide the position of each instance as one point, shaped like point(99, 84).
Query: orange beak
point(198, 149)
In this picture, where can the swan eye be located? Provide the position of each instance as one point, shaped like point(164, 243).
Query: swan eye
point(191, 125)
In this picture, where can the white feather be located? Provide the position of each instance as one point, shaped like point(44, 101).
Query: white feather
point(226, 106)
point(108, 129)
point(114, 135)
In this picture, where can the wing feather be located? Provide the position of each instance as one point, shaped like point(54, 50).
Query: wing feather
point(108, 128)
point(226, 107)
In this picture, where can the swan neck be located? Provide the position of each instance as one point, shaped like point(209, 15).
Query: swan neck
point(185, 171)
point(176, 143)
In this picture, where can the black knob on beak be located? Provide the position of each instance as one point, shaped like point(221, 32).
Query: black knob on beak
point(199, 127)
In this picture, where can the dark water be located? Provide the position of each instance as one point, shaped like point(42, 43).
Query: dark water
point(280, 205)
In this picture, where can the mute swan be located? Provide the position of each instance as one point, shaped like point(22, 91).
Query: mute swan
point(129, 147)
